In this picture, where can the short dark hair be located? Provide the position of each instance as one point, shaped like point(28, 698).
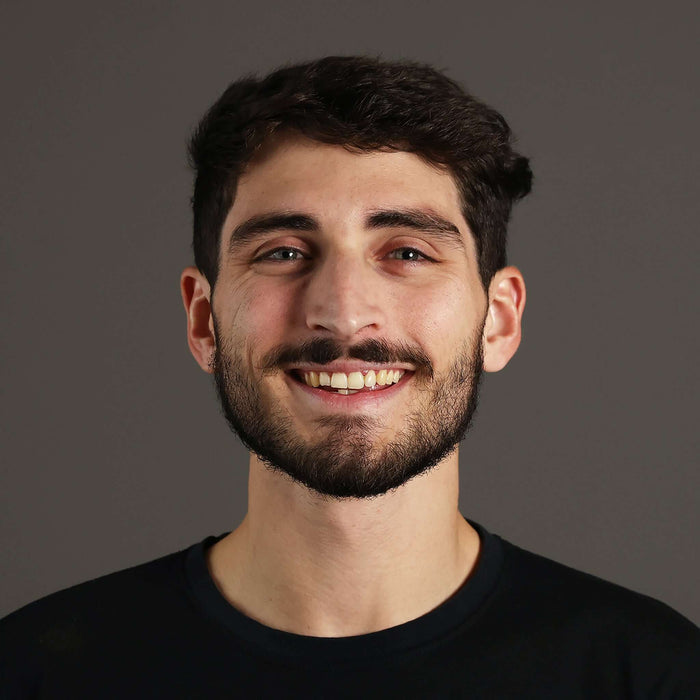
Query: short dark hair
point(363, 104)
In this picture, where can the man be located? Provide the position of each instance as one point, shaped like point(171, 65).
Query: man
point(350, 287)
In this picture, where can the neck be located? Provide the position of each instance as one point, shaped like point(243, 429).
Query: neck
point(324, 567)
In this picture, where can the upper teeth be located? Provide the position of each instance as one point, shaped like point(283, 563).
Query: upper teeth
point(353, 380)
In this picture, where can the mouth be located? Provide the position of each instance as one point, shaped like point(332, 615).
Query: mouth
point(348, 383)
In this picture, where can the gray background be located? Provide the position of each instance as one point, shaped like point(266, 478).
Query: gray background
point(585, 447)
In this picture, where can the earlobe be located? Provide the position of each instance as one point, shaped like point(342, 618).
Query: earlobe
point(503, 327)
point(196, 297)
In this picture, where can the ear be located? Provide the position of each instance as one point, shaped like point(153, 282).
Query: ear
point(502, 329)
point(196, 296)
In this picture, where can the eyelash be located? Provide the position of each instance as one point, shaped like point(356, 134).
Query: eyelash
point(268, 257)
point(407, 249)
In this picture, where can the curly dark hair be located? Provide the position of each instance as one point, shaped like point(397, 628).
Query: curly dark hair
point(363, 104)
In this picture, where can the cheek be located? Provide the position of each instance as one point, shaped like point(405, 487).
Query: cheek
point(442, 318)
point(257, 319)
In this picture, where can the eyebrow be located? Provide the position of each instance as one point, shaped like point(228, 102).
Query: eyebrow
point(415, 219)
point(265, 223)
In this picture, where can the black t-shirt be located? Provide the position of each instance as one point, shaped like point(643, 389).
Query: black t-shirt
point(521, 626)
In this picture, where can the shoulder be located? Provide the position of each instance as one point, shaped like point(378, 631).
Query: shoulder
point(65, 626)
point(599, 622)
point(123, 588)
point(563, 588)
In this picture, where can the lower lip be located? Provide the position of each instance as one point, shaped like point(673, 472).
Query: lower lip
point(359, 400)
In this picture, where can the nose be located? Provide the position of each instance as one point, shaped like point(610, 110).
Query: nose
point(344, 297)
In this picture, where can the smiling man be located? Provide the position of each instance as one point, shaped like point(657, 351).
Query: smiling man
point(345, 330)
point(350, 287)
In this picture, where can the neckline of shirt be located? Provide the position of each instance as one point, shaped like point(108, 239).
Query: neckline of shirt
point(426, 629)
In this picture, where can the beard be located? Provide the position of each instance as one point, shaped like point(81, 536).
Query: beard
point(347, 460)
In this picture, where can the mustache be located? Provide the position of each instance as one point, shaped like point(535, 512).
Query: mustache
point(323, 351)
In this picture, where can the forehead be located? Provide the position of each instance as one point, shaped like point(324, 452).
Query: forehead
point(334, 184)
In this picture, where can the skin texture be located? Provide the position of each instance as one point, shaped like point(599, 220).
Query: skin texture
point(302, 561)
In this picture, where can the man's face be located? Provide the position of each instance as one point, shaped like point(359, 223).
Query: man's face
point(357, 270)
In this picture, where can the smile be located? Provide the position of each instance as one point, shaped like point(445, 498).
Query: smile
point(347, 383)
